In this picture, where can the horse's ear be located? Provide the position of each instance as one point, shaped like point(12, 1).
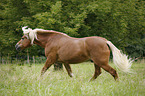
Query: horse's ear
point(24, 28)
point(26, 31)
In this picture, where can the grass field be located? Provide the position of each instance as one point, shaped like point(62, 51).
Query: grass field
point(25, 81)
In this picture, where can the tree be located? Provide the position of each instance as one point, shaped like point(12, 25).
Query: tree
point(121, 22)
point(12, 11)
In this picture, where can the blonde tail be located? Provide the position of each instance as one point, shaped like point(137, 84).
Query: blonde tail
point(120, 60)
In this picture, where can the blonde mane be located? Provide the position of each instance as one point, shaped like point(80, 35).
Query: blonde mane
point(32, 34)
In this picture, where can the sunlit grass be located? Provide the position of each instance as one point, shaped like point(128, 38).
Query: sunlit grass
point(26, 81)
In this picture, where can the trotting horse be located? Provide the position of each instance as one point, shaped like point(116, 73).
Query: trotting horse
point(60, 47)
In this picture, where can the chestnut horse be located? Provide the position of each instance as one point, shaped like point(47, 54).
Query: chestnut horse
point(60, 47)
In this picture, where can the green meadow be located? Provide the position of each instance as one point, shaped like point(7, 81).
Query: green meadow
point(25, 80)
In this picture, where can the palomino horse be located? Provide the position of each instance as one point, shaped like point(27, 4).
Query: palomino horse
point(60, 47)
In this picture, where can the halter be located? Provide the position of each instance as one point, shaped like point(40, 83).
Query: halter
point(30, 34)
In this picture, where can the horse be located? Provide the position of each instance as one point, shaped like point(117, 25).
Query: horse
point(59, 47)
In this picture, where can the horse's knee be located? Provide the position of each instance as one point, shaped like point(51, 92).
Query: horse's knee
point(43, 69)
point(99, 71)
point(113, 72)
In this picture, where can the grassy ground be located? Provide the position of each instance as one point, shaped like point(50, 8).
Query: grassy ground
point(25, 81)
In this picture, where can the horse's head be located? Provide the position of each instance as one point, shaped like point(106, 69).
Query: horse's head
point(27, 39)
point(23, 43)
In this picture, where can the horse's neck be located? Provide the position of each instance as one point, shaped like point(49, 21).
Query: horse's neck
point(44, 38)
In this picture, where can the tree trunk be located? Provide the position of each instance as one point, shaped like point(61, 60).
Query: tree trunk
point(34, 59)
point(28, 61)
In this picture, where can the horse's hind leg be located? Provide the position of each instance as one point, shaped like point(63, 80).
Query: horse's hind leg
point(110, 70)
point(69, 71)
point(97, 72)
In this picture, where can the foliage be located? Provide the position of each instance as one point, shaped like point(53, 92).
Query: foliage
point(121, 22)
point(25, 81)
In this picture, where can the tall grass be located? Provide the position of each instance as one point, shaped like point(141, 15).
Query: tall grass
point(26, 81)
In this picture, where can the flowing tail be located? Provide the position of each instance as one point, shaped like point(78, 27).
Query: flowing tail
point(120, 60)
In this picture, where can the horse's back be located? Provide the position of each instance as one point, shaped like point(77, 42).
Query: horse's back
point(96, 42)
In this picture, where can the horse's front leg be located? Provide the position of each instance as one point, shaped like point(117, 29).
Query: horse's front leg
point(69, 71)
point(48, 63)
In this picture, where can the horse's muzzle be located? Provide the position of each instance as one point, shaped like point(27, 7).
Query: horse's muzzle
point(17, 47)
